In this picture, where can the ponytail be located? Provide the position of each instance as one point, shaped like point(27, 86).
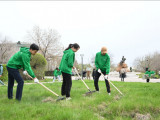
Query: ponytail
point(75, 45)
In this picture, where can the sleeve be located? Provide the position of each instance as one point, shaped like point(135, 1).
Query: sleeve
point(96, 62)
point(60, 73)
point(108, 65)
point(71, 60)
point(27, 66)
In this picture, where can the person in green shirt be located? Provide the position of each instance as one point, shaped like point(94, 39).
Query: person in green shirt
point(66, 66)
point(148, 74)
point(102, 63)
point(57, 74)
point(20, 60)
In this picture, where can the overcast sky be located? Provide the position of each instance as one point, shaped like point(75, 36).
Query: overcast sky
point(126, 28)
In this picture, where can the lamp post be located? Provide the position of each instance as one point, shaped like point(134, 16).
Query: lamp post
point(82, 63)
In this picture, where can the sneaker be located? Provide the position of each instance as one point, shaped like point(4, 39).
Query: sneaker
point(68, 98)
point(109, 93)
point(97, 91)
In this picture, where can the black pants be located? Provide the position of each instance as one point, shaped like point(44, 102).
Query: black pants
point(122, 77)
point(97, 75)
point(14, 74)
point(147, 80)
point(66, 85)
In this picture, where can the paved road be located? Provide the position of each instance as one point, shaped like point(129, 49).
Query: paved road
point(131, 77)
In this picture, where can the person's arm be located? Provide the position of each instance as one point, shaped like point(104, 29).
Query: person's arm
point(71, 59)
point(27, 66)
point(96, 62)
point(1, 71)
point(108, 65)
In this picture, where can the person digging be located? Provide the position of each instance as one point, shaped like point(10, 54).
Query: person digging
point(102, 63)
point(20, 60)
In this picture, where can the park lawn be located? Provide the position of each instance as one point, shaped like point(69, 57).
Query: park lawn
point(139, 98)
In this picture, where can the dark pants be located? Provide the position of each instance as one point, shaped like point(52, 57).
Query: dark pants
point(66, 85)
point(14, 74)
point(97, 75)
point(122, 77)
point(147, 80)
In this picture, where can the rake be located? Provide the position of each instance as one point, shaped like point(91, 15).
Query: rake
point(59, 98)
point(87, 93)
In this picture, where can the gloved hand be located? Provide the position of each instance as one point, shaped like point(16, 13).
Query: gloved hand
point(106, 77)
point(36, 80)
point(25, 72)
point(99, 70)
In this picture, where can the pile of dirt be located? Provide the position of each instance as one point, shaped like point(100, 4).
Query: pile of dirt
point(49, 99)
point(117, 97)
point(142, 117)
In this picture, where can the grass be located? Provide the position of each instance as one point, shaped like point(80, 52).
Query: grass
point(142, 98)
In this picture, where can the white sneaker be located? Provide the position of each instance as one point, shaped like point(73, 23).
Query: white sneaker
point(109, 93)
point(68, 98)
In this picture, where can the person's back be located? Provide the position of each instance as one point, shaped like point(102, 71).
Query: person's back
point(123, 70)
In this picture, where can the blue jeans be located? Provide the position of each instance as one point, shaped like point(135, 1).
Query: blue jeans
point(13, 74)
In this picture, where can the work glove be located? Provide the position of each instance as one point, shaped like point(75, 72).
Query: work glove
point(36, 80)
point(106, 77)
point(99, 70)
point(25, 72)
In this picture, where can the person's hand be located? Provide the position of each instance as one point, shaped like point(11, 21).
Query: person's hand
point(36, 80)
point(0, 75)
point(99, 70)
point(25, 72)
point(106, 77)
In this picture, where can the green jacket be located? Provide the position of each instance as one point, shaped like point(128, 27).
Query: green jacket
point(56, 73)
point(59, 72)
point(67, 61)
point(149, 73)
point(102, 62)
point(20, 60)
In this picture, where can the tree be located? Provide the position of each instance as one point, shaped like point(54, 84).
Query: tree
point(47, 40)
point(151, 61)
point(49, 43)
point(7, 49)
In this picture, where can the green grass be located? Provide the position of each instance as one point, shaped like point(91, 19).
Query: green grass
point(140, 98)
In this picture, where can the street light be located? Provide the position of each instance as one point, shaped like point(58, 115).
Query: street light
point(82, 63)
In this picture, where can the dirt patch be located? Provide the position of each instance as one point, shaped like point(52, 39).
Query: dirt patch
point(49, 99)
point(142, 117)
point(117, 97)
point(102, 106)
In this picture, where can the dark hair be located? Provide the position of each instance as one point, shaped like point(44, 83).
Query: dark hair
point(34, 47)
point(75, 45)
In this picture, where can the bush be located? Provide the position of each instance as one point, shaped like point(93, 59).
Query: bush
point(38, 64)
point(5, 73)
point(48, 73)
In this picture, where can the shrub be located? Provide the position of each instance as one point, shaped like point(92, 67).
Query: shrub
point(38, 64)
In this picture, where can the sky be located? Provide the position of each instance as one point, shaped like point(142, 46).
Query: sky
point(126, 28)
